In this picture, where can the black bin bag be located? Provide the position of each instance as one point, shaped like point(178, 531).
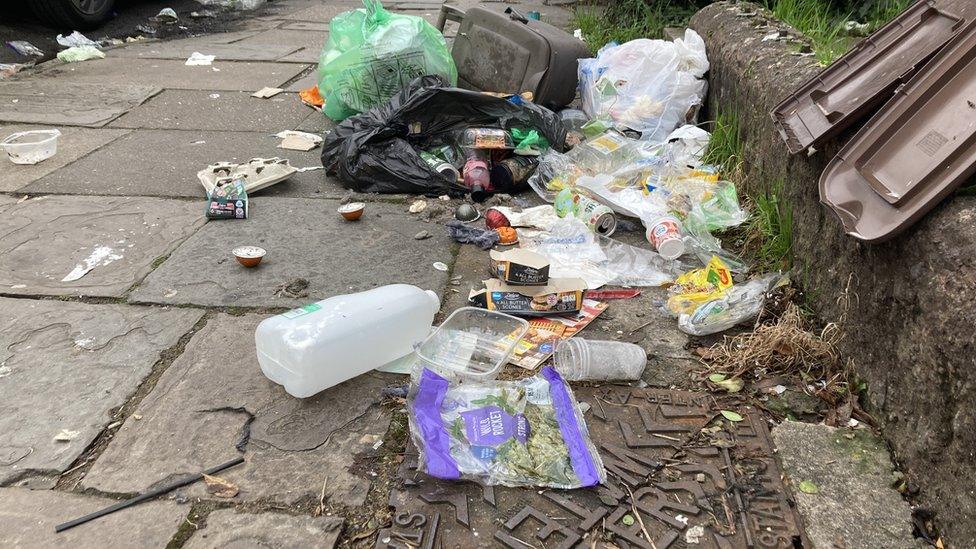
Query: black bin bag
point(378, 151)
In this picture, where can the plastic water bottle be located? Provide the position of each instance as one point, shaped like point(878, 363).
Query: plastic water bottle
point(322, 344)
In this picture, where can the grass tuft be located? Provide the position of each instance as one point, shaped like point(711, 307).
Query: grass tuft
point(725, 148)
point(626, 20)
point(770, 230)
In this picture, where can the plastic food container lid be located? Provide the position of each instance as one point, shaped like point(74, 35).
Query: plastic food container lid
point(487, 138)
point(472, 343)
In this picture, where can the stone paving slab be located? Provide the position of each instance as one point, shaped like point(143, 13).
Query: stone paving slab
point(64, 366)
point(855, 505)
point(316, 122)
point(308, 43)
point(43, 239)
point(179, 49)
point(201, 407)
point(307, 26)
point(322, 13)
point(305, 82)
point(304, 239)
point(28, 518)
point(176, 157)
point(174, 74)
point(228, 528)
point(42, 101)
point(224, 111)
point(73, 144)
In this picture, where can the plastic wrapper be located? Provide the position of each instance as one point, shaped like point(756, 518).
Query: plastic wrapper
point(556, 171)
point(378, 151)
point(511, 433)
point(372, 53)
point(574, 251)
point(699, 286)
point(649, 86)
point(737, 305)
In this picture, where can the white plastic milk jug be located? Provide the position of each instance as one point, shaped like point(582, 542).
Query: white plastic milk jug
point(322, 344)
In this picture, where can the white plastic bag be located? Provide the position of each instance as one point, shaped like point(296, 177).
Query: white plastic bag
point(645, 85)
point(575, 251)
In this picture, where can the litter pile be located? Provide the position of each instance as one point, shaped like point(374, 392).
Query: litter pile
point(631, 155)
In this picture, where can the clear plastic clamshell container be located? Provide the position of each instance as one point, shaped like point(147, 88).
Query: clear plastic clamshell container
point(472, 343)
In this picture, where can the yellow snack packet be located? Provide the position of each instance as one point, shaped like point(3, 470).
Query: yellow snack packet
point(700, 285)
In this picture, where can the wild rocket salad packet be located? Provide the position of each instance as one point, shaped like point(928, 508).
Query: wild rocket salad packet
point(528, 432)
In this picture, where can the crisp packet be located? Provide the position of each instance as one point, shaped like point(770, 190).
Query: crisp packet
point(528, 432)
point(699, 286)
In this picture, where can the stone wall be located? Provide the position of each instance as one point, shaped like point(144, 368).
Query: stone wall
point(910, 312)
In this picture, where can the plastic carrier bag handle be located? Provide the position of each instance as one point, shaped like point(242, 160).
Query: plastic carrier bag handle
point(376, 14)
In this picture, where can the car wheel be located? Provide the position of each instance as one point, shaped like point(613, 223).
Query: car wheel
point(74, 14)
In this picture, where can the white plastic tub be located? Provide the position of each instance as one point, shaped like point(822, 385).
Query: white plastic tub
point(31, 147)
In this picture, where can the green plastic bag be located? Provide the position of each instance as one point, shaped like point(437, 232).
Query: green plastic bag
point(372, 53)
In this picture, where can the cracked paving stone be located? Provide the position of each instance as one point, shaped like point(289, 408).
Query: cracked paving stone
point(64, 366)
point(59, 103)
point(214, 397)
point(28, 518)
point(44, 239)
point(304, 239)
point(683, 487)
point(227, 528)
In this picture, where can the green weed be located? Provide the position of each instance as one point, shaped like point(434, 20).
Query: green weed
point(725, 149)
point(626, 20)
point(770, 230)
point(823, 22)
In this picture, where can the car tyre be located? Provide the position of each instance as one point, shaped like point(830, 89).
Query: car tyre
point(74, 14)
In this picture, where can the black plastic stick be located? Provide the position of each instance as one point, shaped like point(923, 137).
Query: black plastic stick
point(148, 495)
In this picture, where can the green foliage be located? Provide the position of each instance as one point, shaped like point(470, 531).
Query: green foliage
point(626, 20)
point(771, 228)
point(824, 22)
point(725, 148)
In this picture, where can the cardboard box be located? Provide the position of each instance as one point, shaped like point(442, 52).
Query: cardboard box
point(520, 267)
point(560, 296)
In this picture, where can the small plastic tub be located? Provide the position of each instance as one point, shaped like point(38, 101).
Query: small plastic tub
point(31, 147)
point(472, 343)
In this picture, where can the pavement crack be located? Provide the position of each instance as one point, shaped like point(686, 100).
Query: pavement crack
point(328, 437)
point(245, 434)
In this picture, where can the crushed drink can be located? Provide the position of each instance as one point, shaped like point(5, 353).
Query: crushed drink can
point(597, 217)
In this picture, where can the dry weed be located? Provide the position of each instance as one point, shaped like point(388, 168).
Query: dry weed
point(784, 347)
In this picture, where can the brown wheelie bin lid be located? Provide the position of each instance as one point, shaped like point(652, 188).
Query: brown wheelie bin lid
point(851, 87)
point(916, 151)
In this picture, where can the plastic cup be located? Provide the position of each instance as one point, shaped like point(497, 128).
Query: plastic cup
point(578, 359)
point(665, 235)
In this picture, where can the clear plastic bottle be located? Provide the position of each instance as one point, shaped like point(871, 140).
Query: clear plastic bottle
point(322, 344)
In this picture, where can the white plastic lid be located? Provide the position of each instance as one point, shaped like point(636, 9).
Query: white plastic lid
point(671, 248)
